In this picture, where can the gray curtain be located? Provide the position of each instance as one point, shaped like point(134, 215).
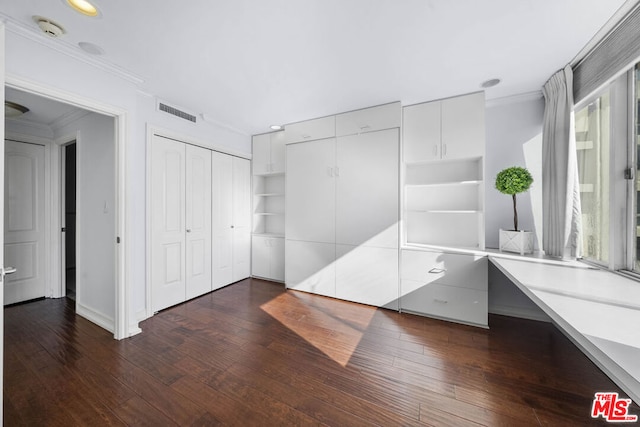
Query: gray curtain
point(561, 218)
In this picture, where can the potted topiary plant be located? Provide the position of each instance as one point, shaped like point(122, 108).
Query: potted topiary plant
point(512, 181)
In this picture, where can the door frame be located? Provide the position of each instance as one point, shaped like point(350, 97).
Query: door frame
point(122, 329)
point(57, 177)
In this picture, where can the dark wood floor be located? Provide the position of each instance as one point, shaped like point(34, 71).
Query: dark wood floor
point(254, 355)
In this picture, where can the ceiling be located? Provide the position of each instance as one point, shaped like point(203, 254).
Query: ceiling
point(253, 63)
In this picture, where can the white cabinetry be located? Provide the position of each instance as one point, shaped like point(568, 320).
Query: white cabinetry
point(451, 286)
point(310, 130)
point(341, 225)
point(180, 222)
point(267, 256)
point(231, 219)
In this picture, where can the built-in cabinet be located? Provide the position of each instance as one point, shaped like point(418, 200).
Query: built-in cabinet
point(268, 189)
point(200, 221)
point(443, 210)
point(342, 217)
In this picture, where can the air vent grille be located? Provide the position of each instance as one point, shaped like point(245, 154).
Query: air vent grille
point(175, 112)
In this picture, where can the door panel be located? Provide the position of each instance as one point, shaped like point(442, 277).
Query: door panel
point(198, 221)
point(260, 256)
point(241, 219)
point(168, 256)
point(310, 267)
point(24, 245)
point(222, 214)
point(310, 189)
point(367, 189)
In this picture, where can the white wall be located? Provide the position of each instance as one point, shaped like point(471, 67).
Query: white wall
point(511, 125)
point(35, 60)
point(96, 228)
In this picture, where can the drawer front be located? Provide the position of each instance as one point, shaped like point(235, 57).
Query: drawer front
point(463, 270)
point(386, 116)
point(447, 302)
point(324, 127)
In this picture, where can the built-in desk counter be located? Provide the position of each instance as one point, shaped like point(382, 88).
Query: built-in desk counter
point(597, 309)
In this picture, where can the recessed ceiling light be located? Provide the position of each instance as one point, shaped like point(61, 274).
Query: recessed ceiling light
point(275, 127)
point(490, 83)
point(84, 7)
point(11, 109)
point(91, 48)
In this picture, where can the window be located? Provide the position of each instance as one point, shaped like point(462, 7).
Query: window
point(592, 124)
point(636, 183)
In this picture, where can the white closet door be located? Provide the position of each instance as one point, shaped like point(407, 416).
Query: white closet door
point(167, 222)
point(421, 132)
point(222, 214)
point(241, 218)
point(367, 189)
point(310, 189)
point(198, 221)
point(466, 140)
point(24, 234)
point(261, 154)
point(277, 152)
point(310, 267)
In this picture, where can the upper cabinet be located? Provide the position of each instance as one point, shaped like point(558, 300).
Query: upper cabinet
point(309, 130)
point(268, 153)
point(451, 128)
point(387, 116)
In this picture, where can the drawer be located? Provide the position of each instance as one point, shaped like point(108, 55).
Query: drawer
point(309, 130)
point(386, 116)
point(447, 302)
point(463, 270)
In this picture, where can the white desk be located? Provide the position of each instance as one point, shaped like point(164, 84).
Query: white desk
point(598, 310)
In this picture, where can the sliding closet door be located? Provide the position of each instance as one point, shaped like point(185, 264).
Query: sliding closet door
point(167, 222)
point(198, 221)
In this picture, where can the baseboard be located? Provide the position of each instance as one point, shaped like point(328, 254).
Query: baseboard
point(95, 317)
point(520, 312)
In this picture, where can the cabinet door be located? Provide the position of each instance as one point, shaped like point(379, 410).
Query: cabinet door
point(241, 221)
point(222, 214)
point(261, 154)
point(310, 189)
point(367, 275)
point(198, 221)
point(277, 152)
point(310, 267)
point(309, 130)
point(367, 189)
point(167, 223)
point(277, 259)
point(463, 128)
point(369, 119)
point(260, 256)
point(421, 132)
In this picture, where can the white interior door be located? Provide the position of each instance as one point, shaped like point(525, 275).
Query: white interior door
point(222, 220)
point(168, 256)
point(198, 221)
point(24, 224)
point(241, 218)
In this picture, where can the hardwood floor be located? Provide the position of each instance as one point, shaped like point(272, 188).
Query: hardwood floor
point(252, 354)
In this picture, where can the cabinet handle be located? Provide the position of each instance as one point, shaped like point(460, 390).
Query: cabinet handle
point(365, 127)
point(188, 230)
point(444, 150)
point(436, 270)
point(232, 226)
point(440, 301)
point(338, 172)
point(435, 150)
point(306, 136)
point(330, 171)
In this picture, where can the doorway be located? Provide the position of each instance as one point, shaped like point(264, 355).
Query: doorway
point(69, 219)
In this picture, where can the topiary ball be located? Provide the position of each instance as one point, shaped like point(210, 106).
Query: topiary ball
point(513, 180)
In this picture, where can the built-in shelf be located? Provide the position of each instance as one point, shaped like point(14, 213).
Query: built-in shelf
point(446, 211)
point(269, 195)
point(267, 213)
point(270, 235)
point(268, 174)
point(446, 184)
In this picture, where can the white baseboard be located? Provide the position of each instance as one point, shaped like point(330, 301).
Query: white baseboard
point(95, 317)
point(520, 312)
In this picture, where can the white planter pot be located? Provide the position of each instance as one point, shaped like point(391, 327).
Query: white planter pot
point(516, 241)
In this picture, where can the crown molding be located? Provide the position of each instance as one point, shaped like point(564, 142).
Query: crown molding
point(68, 49)
point(514, 99)
point(68, 118)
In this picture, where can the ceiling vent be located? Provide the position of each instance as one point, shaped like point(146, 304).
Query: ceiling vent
point(176, 112)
